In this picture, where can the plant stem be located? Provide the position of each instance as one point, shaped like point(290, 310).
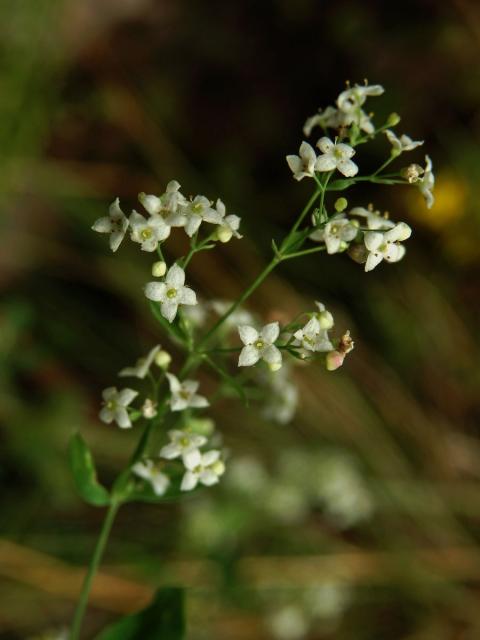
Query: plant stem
point(92, 570)
point(307, 208)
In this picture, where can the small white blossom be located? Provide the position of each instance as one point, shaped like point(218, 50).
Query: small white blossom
point(184, 394)
point(404, 143)
point(116, 224)
point(282, 397)
point(375, 221)
point(205, 468)
point(182, 444)
point(312, 337)
point(193, 213)
point(336, 234)
point(260, 345)
point(303, 165)
point(115, 405)
point(329, 117)
point(142, 366)
point(427, 183)
point(239, 316)
point(148, 232)
point(324, 317)
point(386, 246)
point(353, 98)
point(336, 156)
point(149, 409)
point(167, 203)
point(290, 622)
point(148, 470)
point(171, 293)
point(228, 225)
point(197, 315)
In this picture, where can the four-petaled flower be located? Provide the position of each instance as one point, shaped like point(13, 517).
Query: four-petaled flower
point(336, 155)
point(386, 246)
point(116, 224)
point(228, 225)
point(336, 233)
point(353, 98)
point(205, 468)
point(374, 219)
point(303, 165)
point(184, 394)
point(427, 183)
point(182, 443)
point(404, 143)
point(115, 405)
point(167, 203)
point(312, 337)
point(260, 345)
point(148, 470)
point(142, 366)
point(171, 293)
point(193, 213)
point(148, 232)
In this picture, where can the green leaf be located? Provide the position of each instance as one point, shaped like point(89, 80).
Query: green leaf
point(163, 619)
point(85, 474)
point(295, 240)
point(340, 185)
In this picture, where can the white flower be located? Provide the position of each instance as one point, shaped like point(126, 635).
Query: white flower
point(228, 225)
point(353, 98)
point(115, 405)
point(239, 316)
point(116, 224)
point(330, 117)
point(259, 345)
point(303, 165)
point(193, 213)
point(427, 183)
point(336, 156)
point(404, 143)
point(148, 470)
point(312, 337)
point(182, 443)
point(386, 246)
point(171, 293)
point(142, 366)
point(148, 232)
point(184, 394)
point(205, 468)
point(324, 317)
point(289, 623)
point(375, 221)
point(282, 397)
point(167, 203)
point(336, 233)
point(197, 315)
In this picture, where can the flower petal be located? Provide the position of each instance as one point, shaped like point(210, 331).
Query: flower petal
point(247, 334)
point(169, 309)
point(155, 291)
point(272, 355)
point(373, 240)
point(187, 296)
point(347, 167)
point(325, 163)
point(270, 332)
point(372, 261)
point(325, 145)
point(248, 356)
point(189, 481)
point(175, 276)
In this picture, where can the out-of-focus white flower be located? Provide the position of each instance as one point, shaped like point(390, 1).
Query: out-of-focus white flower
point(324, 317)
point(374, 220)
point(312, 337)
point(329, 117)
point(247, 475)
point(148, 470)
point(115, 405)
point(163, 359)
point(336, 234)
point(228, 225)
point(148, 232)
point(182, 444)
point(260, 345)
point(404, 143)
point(239, 316)
point(288, 623)
point(386, 246)
point(427, 183)
point(167, 203)
point(354, 97)
point(116, 224)
point(149, 409)
point(205, 468)
point(184, 394)
point(328, 600)
point(282, 397)
point(142, 366)
point(336, 155)
point(171, 293)
point(196, 315)
point(193, 213)
point(303, 165)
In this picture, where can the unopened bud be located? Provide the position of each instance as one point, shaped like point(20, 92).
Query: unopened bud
point(149, 409)
point(218, 467)
point(334, 360)
point(163, 359)
point(274, 366)
point(203, 426)
point(325, 320)
point(358, 252)
point(224, 234)
point(393, 119)
point(159, 269)
point(340, 204)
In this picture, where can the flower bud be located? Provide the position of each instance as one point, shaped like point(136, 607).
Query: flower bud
point(163, 359)
point(218, 467)
point(149, 409)
point(358, 252)
point(159, 269)
point(202, 426)
point(334, 360)
point(224, 234)
point(274, 366)
point(340, 204)
point(325, 320)
point(393, 119)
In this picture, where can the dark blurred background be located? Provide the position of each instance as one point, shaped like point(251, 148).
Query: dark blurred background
point(101, 98)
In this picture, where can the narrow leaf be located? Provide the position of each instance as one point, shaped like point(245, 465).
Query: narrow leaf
point(85, 474)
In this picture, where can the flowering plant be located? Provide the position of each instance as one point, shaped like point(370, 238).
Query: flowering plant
point(222, 335)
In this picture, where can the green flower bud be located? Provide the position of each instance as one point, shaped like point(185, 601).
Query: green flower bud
point(393, 119)
point(163, 359)
point(341, 204)
point(159, 269)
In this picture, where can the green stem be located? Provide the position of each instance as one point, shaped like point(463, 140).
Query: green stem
point(307, 208)
point(306, 252)
point(92, 570)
